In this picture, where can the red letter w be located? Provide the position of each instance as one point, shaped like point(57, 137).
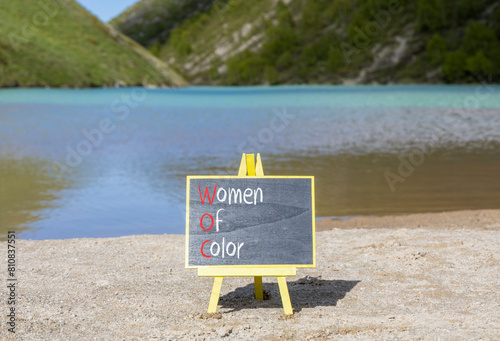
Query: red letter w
point(210, 200)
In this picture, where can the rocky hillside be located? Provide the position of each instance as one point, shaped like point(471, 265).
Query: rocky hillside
point(150, 21)
point(333, 42)
point(60, 44)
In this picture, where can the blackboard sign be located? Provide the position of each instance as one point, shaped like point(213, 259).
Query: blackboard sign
point(250, 221)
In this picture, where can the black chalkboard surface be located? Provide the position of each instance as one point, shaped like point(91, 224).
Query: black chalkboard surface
point(250, 221)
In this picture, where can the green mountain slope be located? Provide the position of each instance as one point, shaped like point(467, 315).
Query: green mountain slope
point(338, 42)
point(150, 21)
point(58, 43)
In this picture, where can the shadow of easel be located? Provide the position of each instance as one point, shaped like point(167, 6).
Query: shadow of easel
point(306, 292)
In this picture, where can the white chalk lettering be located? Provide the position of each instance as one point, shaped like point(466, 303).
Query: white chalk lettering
point(231, 249)
point(212, 247)
point(255, 195)
point(247, 193)
point(236, 196)
point(218, 194)
point(234, 249)
point(235, 193)
point(217, 220)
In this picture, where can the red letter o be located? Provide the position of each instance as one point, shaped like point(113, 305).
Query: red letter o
point(201, 222)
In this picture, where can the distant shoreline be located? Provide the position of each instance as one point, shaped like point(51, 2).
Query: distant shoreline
point(487, 219)
point(241, 85)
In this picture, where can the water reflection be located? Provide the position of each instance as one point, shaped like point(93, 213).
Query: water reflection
point(133, 182)
point(27, 190)
point(350, 185)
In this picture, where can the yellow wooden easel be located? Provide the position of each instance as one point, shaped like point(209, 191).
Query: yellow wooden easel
point(249, 168)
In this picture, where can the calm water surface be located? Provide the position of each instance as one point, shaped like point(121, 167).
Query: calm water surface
point(113, 162)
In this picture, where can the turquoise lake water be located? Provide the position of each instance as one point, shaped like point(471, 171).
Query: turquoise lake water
point(113, 162)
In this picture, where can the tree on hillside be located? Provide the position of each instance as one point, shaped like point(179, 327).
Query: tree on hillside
point(436, 50)
point(454, 67)
point(480, 65)
point(280, 38)
point(479, 37)
point(431, 15)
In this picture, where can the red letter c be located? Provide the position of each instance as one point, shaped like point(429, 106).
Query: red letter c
point(203, 244)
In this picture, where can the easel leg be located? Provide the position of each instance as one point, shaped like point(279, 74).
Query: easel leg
point(285, 296)
point(259, 293)
point(214, 298)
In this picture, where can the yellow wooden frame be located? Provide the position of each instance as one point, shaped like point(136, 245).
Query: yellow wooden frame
point(248, 167)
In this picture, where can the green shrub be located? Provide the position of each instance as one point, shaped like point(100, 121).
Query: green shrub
point(155, 48)
point(339, 10)
point(479, 65)
point(335, 59)
point(496, 23)
point(284, 16)
point(245, 68)
point(270, 74)
point(280, 38)
point(180, 42)
point(454, 67)
point(495, 59)
point(310, 20)
point(316, 52)
point(212, 73)
point(467, 9)
point(436, 50)
point(285, 60)
point(304, 73)
point(356, 26)
point(479, 37)
point(430, 15)
point(310, 56)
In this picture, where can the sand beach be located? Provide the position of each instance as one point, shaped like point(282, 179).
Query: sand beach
point(414, 277)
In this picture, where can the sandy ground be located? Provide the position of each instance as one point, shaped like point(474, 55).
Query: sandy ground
point(415, 277)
